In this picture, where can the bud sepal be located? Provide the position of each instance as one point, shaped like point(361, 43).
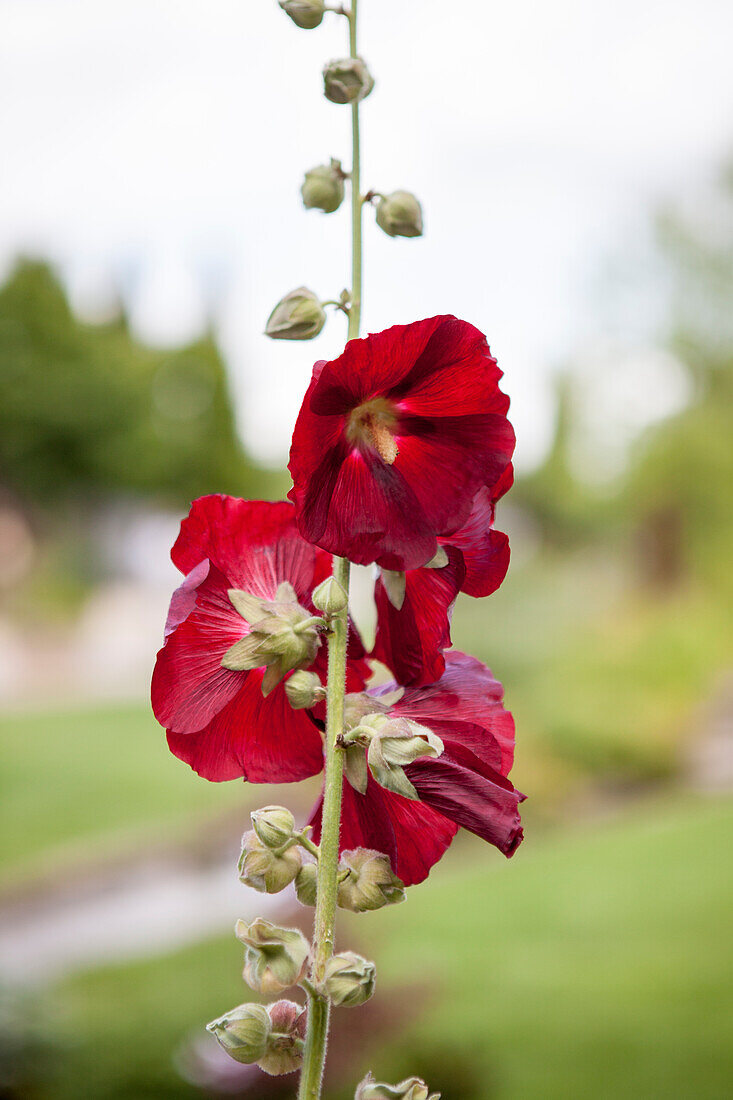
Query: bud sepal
point(367, 882)
point(274, 958)
point(265, 869)
point(400, 214)
point(243, 1032)
point(413, 1088)
point(347, 80)
point(323, 187)
point(349, 979)
point(306, 14)
point(298, 316)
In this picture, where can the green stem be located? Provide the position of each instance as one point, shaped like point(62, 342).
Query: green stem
point(327, 881)
point(356, 203)
point(319, 1008)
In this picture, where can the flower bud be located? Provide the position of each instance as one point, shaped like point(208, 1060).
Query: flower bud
point(284, 1052)
point(274, 958)
point(367, 882)
point(282, 635)
point(347, 80)
point(243, 1032)
point(274, 825)
point(323, 187)
point(396, 742)
point(411, 1089)
point(304, 13)
point(297, 316)
point(349, 979)
point(305, 884)
point(304, 689)
point(330, 597)
point(264, 869)
point(400, 215)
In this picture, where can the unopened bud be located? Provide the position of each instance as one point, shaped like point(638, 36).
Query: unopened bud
point(274, 825)
point(297, 316)
point(264, 869)
point(284, 1052)
point(400, 215)
point(323, 187)
point(349, 979)
point(330, 597)
point(282, 635)
point(347, 80)
point(367, 882)
point(304, 13)
point(304, 689)
point(411, 1089)
point(274, 958)
point(306, 887)
point(306, 884)
point(243, 1032)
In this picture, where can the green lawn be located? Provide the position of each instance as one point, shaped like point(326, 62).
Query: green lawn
point(598, 963)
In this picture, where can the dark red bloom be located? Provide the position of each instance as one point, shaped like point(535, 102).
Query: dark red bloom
point(395, 438)
point(466, 786)
point(410, 639)
point(218, 720)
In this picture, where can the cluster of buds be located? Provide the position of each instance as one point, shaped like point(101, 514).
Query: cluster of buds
point(271, 857)
point(282, 635)
point(410, 1089)
point(270, 1036)
point(300, 315)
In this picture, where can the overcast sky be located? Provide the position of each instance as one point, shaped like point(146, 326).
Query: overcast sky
point(158, 146)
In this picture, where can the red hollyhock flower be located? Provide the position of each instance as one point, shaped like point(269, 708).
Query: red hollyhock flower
point(411, 638)
point(466, 786)
point(218, 720)
point(395, 438)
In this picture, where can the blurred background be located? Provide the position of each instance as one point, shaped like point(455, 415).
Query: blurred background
point(575, 163)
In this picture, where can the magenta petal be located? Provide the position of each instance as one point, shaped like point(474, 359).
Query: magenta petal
point(183, 599)
point(258, 738)
point(411, 640)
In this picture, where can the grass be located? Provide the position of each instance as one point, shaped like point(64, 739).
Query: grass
point(597, 963)
point(100, 777)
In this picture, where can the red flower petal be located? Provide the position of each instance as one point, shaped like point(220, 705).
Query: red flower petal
point(411, 641)
point(484, 805)
point(467, 692)
point(255, 544)
point(450, 430)
point(256, 738)
point(413, 835)
point(189, 685)
point(485, 551)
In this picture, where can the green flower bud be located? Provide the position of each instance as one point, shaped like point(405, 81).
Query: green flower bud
point(396, 742)
point(274, 958)
point(347, 81)
point(297, 316)
point(264, 869)
point(367, 882)
point(282, 635)
point(400, 215)
point(305, 884)
point(284, 1052)
point(330, 597)
point(243, 1032)
point(304, 13)
point(323, 187)
point(304, 689)
point(349, 979)
point(411, 1089)
point(274, 825)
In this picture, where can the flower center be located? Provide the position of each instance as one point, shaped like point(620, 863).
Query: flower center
point(373, 424)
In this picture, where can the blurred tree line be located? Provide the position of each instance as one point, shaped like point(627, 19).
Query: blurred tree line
point(87, 412)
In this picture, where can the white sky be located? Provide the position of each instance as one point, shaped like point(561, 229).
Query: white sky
point(158, 145)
